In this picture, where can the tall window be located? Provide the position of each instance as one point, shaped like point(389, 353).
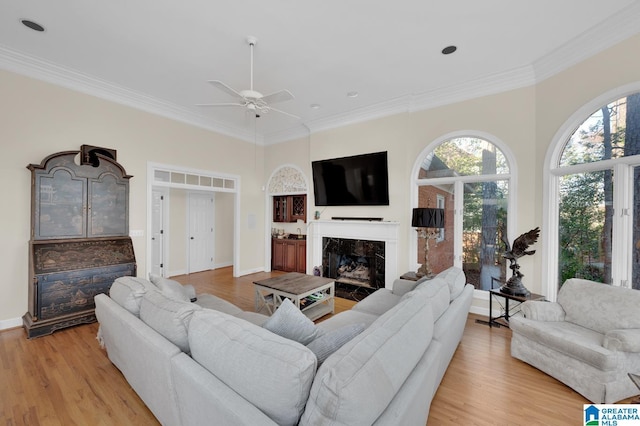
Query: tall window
point(597, 176)
point(470, 178)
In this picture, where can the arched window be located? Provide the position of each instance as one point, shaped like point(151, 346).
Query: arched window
point(595, 195)
point(470, 178)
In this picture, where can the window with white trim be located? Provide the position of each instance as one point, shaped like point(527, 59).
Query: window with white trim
point(596, 197)
point(470, 178)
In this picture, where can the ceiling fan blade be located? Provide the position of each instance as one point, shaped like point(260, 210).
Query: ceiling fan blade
point(222, 104)
point(284, 112)
point(281, 96)
point(223, 87)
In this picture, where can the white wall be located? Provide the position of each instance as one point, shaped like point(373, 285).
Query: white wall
point(525, 120)
point(37, 119)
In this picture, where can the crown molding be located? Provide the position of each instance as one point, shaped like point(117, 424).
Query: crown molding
point(371, 112)
point(587, 44)
point(600, 37)
point(49, 72)
point(483, 86)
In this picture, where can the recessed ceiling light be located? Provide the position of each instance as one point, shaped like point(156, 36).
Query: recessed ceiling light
point(314, 106)
point(352, 95)
point(449, 50)
point(33, 25)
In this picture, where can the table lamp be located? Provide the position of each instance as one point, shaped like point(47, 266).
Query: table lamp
point(429, 221)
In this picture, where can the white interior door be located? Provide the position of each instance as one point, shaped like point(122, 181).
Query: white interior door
point(201, 235)
point(159, 215)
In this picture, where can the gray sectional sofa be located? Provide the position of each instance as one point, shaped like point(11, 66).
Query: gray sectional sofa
point(208, 362)
point(589, 339)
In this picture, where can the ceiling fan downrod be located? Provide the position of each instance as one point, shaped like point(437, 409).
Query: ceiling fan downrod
point(252, 42)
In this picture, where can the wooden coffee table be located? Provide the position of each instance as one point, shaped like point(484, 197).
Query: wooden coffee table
point(312, 295)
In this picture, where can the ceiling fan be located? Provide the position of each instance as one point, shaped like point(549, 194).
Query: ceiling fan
point(250, 99)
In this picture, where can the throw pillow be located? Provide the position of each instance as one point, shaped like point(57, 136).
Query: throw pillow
point(333, 340)
point(170, 288)
point(289, 322)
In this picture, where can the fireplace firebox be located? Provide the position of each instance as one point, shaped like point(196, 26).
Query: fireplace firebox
point(358, 266)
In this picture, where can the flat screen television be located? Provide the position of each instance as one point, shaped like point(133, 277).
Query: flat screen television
point(360, 180)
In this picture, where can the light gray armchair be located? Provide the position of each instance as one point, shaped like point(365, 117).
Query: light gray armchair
point(589, 339)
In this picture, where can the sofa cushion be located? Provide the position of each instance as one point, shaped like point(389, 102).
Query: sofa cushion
point(436, 291)
point(455, 279)
point(333, 340)
point(128, 292)
point(171, 288)
point(599, 307)
point(379, 302)
point(271, 372)
point(355, 384)
point(346, 318)
point(253, 317)
point(210, 301)
point(289, 322)
point(168, 317)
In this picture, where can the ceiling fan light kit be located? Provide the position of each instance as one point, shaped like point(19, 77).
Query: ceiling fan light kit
point(250, 99)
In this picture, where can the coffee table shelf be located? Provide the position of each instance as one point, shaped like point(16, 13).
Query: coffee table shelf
point(301, 289)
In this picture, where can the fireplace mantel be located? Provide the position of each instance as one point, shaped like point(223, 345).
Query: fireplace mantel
point(357, 230)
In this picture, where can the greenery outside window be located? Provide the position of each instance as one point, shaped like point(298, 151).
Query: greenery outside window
point(597, 177)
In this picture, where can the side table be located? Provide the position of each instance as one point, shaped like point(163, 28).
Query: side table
point(508, 311)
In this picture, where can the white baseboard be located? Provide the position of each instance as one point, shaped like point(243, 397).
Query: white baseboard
point(223, 265)
point(177, 272)
point(248, 271)
point(479, 311)
point(10, 323)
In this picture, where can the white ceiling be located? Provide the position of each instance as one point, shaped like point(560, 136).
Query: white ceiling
point(157, 55)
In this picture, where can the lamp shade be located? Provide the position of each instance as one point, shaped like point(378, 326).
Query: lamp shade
point(427, 218)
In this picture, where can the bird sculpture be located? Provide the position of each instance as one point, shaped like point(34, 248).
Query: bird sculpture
point(520, 248)
point(520, 245)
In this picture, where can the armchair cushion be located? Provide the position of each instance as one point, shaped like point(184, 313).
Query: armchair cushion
point(583, 302)
point(538, 310)
point(627, 340)
point(568, 338)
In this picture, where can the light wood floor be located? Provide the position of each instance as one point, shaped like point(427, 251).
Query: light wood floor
point(66, 379)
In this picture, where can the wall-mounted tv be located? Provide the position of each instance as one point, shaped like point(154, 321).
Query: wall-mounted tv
point(360, 180)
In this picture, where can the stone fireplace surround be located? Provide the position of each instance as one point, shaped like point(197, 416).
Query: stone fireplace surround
point(357, 230)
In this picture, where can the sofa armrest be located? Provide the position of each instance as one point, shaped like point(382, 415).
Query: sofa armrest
point(626, 340)
point(401, 287)
point(539, 310)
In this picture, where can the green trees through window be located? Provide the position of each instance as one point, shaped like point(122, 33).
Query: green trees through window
point(473, 174)
point(599, 197)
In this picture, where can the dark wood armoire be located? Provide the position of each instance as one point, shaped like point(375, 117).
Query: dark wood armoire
point(79, 237)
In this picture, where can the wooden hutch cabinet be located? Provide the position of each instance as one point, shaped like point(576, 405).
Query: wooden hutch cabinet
point(289, 208)
point(79, 238)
